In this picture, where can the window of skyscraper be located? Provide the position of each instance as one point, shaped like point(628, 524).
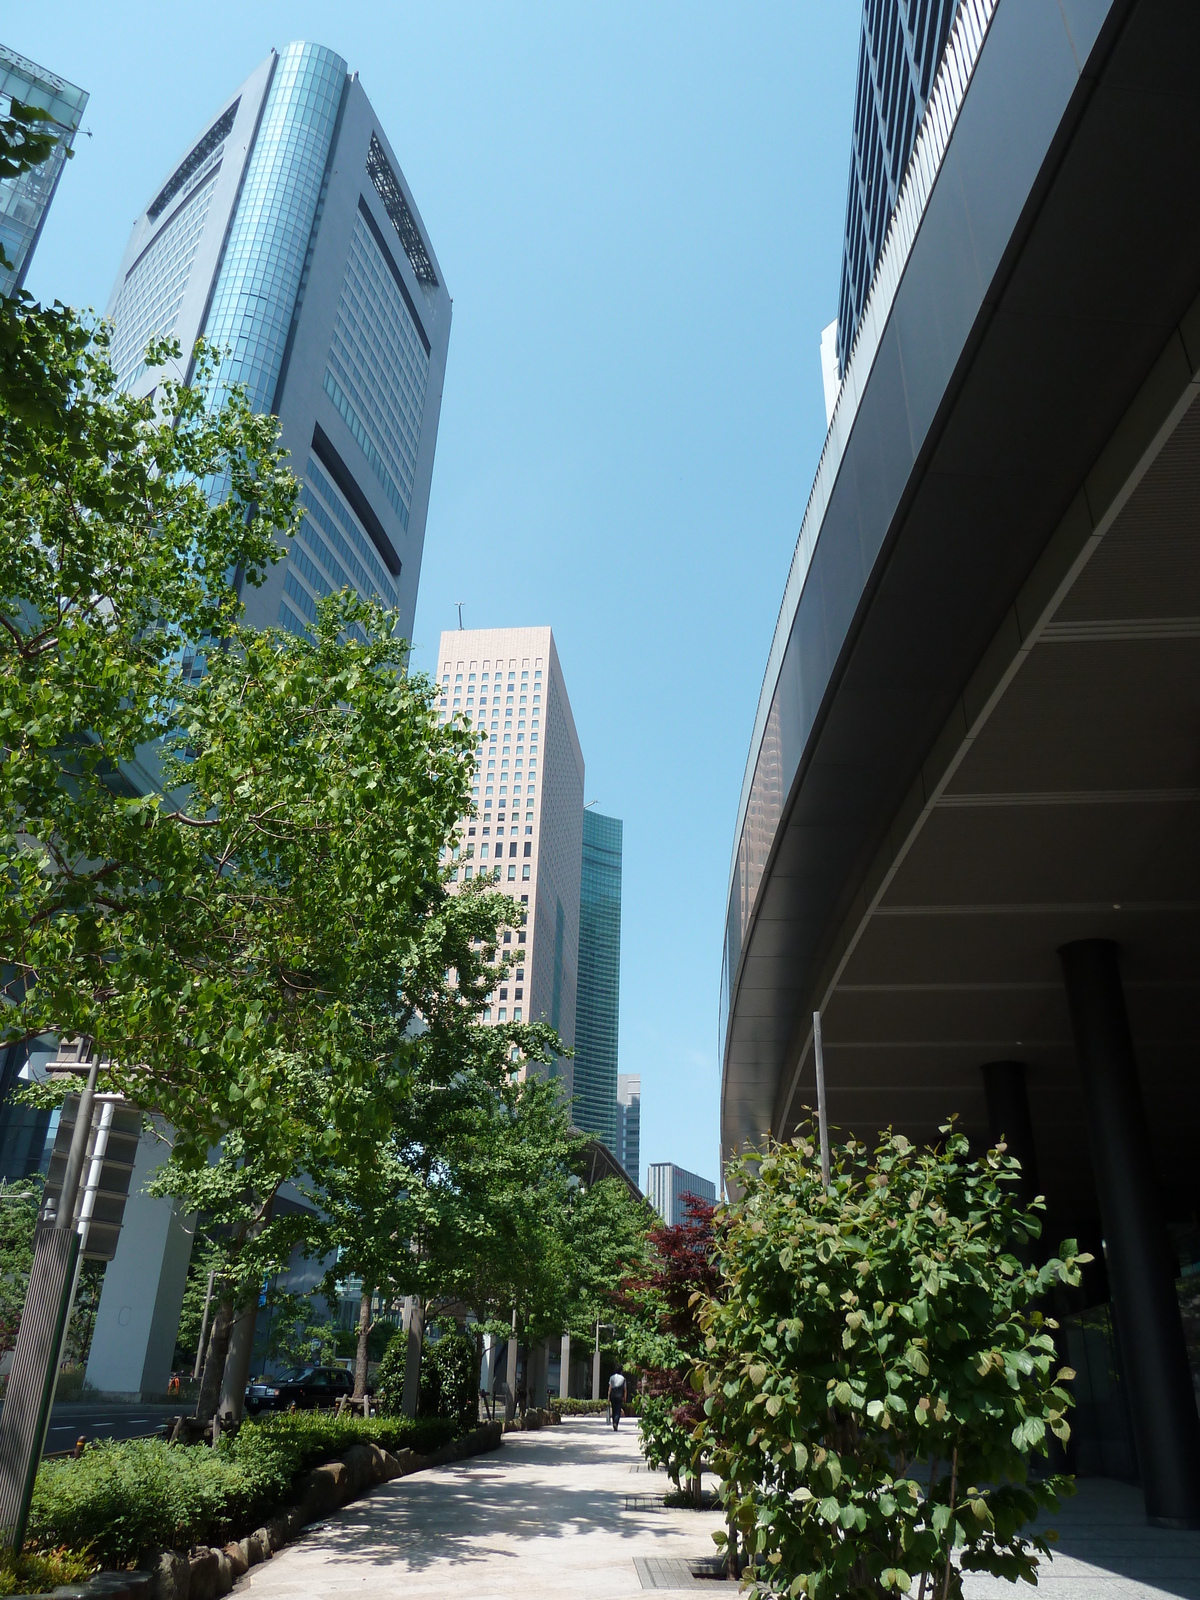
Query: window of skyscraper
point(378, 369)
point(154, 286)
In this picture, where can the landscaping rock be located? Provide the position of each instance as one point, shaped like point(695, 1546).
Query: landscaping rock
point(169, 1576)
point(359, 1470)
point(277, 1533)
point(225, 1573)
point(202, 1574)
point(237, 1559)
point(379, 1463)
point(324, 1490)
point(391, 1466)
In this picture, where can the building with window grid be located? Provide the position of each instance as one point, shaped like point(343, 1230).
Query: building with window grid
point(525, 833)
point(24, 200)
point(898, 54)
point(629, 1124)
point(666, 1187)
point(597, 1012)
point(287, 236)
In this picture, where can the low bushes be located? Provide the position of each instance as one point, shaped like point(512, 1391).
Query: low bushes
point(590, 1408)
point(124, 1499)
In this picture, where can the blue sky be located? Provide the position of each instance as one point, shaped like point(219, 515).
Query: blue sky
point(638, 211)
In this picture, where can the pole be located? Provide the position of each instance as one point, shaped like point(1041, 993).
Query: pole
point(65, 1217)
point(596, 1365)
point(822, 1119)
point(204, 1325)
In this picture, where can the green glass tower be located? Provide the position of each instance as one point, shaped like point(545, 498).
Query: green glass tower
point(599, 1003)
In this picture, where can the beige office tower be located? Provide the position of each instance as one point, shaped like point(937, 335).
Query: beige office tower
point(526, 832)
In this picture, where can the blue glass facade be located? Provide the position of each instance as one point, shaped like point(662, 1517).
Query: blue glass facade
point(257, 291)
point(287, 238)
point(597, 1013)
point(24, 200)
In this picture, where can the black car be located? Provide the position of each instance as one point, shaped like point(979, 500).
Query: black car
point(307, 1389)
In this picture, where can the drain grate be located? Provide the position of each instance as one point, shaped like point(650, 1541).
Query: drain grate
point(643, 1502)
point(666, 1572)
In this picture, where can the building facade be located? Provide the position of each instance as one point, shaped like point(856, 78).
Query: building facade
point(899, 49)
point(968, 828)
point(287, 237)
point(667, 1186)
point(629, 1124)
point(24, 200)
point(598, 1010)
point(526, 829)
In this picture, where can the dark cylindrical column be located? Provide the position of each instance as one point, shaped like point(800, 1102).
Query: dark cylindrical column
point(1008, 1119)
point(1139, 1260)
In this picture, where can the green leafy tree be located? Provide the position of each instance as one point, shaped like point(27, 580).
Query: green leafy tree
point(879, 1372)
point(19, 1203)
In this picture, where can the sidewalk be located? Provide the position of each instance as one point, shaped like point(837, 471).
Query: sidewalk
point(543, 1516)
point(568, 1513)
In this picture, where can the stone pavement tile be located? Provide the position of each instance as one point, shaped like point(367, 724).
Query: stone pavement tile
point(545, 1515)
point(1107, 1551)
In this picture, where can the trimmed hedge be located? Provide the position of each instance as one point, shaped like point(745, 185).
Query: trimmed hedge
point(122, 1500)
point(590, 1408)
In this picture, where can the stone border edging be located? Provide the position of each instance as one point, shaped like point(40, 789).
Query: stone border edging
point(206, 1573)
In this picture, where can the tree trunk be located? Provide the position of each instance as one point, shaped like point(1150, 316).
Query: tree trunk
point(364, 1333)
point(237, 1363)
point(214, 1361)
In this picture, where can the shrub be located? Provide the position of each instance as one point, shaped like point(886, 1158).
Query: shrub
point(634, 1405)
point(664, 1340)
point(38, 1571)
point(878, 1372)
point(389, 1379)
point(126, 1498)
point(453, 1366)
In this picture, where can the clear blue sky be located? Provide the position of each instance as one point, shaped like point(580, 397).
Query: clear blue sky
point(638, 211)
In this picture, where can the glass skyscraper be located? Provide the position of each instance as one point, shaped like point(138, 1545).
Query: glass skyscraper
point(24, 201)
point(287, 236)
point(597, 1014)
point(898, 54)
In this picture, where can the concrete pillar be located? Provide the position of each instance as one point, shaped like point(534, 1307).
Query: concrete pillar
point(564, 1369)
point(412, 1358)
point(137, 1320)
point(1137, 1252)
point(1007, 1098)
point(510, 1375)
point(596, 1375)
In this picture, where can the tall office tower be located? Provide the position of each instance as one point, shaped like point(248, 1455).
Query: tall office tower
point(25, 200)
point(629, 1124)
point(666, 1185)
point(526, 830)
point(597, 1013)
point(287, 236)
point(898, 54)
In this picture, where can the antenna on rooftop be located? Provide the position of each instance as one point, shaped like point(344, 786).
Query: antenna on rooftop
point(459, 604)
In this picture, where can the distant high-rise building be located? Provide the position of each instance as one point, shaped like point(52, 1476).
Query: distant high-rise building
point(597, 1014)
point(666, 1185)
point(629, 1123)
point(526, 833)
point(25, 200)
point(288, 236)
point(898, 54)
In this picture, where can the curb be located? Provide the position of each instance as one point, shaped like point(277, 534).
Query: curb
point(206, 1573)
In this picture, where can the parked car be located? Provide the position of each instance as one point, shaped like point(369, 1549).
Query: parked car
point(308, 1388)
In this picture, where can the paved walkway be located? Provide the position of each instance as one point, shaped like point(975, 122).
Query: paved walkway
point(569, 1512)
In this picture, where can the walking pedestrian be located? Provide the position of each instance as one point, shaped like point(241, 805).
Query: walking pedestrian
point(616, 1397)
